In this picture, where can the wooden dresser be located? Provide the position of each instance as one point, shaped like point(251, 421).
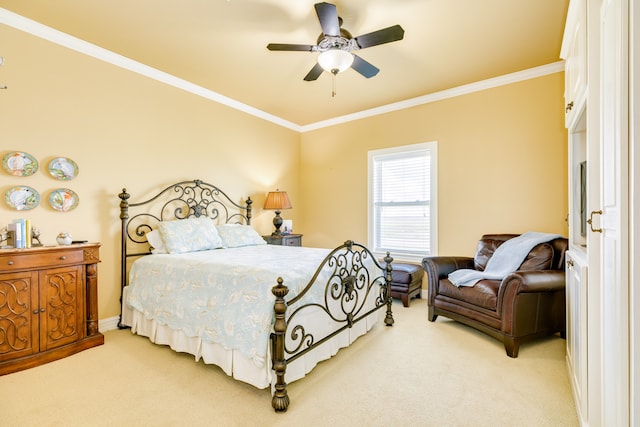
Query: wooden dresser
point(48, 304)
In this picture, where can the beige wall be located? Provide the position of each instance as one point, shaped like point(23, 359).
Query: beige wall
point(502, 156)
point(125, 130)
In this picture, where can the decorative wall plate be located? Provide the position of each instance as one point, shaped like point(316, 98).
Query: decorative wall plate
point(22, 198)
point(63, 168)
point(63, 199)
point(18, 163)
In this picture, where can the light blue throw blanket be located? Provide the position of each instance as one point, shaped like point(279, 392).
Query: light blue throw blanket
point(505, 260)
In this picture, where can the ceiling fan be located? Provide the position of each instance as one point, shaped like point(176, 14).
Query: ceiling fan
point(336, 45)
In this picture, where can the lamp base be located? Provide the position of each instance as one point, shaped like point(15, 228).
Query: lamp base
point(277, 223)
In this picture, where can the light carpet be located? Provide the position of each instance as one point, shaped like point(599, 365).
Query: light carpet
point(416, 373)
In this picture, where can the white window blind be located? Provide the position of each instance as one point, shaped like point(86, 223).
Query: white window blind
point(401, 207)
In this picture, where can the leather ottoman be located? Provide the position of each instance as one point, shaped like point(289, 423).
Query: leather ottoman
point(406, 282)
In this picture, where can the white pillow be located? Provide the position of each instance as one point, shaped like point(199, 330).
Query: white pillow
point(189, 235)
point(236, 235)
point(155, 240)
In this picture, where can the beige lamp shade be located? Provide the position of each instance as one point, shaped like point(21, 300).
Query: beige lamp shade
point(277, 200)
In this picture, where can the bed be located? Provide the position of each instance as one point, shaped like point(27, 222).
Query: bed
point(197, 277)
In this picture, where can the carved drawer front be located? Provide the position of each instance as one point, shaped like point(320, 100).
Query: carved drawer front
point(12, 262)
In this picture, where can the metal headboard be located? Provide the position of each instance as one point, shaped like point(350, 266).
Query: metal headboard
point(182, 200)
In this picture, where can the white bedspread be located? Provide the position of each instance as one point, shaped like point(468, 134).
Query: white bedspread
point(220, 296)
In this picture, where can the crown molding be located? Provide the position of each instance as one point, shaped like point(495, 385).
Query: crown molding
point(532, 73)
point(63, 39)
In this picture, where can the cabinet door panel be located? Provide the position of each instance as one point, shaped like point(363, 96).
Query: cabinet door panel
point(577, 328)
point(18, 322)
point(61, 297)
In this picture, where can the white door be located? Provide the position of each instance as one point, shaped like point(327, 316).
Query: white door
point(614, 187)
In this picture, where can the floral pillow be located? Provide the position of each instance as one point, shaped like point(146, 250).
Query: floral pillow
point(236, 235)
point(189, 235)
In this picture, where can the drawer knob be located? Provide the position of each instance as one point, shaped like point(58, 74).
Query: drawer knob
point(10, 263)
point(62, 258)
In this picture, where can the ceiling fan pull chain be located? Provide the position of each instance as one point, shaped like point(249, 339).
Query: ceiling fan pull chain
point(334, 73)
point(333, 85)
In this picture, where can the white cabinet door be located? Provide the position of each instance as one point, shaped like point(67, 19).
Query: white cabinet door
point(577, 332)
point(614, 187)
point(574, 52)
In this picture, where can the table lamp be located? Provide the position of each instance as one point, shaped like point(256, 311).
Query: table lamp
point(277, 200)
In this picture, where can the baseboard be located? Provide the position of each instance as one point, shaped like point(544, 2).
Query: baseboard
point(109, 324)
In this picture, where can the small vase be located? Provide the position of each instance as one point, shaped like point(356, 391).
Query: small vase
point(64, 239)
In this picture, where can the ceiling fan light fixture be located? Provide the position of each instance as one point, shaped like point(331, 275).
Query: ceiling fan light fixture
point(335, 60)
point(335, 44)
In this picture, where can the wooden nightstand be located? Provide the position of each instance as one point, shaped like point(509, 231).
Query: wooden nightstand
point(284, 239)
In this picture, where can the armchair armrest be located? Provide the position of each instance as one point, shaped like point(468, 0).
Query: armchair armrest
point(532, 301)
point(439, 267)
point(535, 281)
point(530, 282)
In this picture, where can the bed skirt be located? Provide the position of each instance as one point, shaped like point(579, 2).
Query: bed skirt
point(232, 362)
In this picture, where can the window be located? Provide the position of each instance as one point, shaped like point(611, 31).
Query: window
point(402, 201)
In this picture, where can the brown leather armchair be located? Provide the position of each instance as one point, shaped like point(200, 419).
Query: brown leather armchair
point(526, 304)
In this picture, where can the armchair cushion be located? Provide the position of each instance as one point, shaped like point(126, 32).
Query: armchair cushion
point(539, 258)
point(483, 294)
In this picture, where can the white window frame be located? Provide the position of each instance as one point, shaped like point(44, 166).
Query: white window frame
point(399, 255)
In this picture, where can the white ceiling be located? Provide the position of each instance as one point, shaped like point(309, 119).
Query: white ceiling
point(221, 45)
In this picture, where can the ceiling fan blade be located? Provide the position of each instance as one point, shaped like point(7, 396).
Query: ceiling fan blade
point(363, 67)
point(290, 47)
point(386, 35)
point(314, 73)
point(328, 17)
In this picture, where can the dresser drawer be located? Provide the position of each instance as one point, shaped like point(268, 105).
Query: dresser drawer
point(19, 261)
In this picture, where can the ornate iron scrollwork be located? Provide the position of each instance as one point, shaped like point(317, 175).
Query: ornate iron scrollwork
point(348, 283)
point(178, 201)
point(341, 288)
